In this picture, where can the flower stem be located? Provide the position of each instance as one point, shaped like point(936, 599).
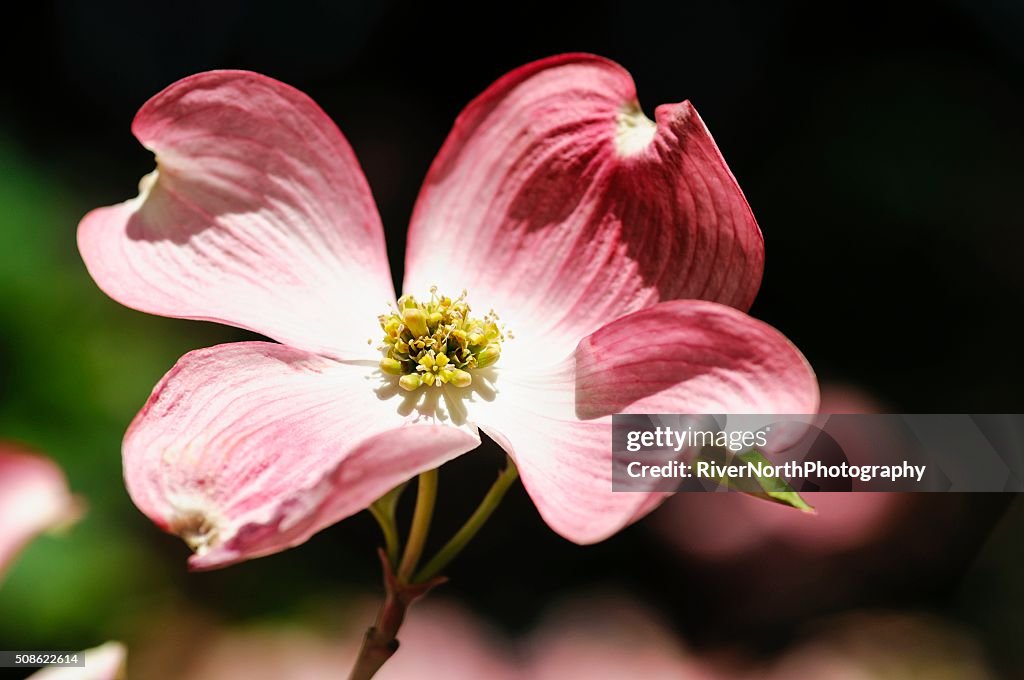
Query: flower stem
point(426, 495)
point(381, 640)
point(473, 525)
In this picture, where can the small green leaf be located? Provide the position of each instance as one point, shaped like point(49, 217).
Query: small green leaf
point(774, 489)
point(383, 510)
point(387, 503)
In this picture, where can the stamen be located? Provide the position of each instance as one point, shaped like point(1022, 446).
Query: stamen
point(437, 342)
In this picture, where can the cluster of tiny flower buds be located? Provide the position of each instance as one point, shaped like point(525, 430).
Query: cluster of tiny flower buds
point(437, 342)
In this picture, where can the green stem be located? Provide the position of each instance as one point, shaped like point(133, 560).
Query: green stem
point(473, 525)
point(426, 495)
point(390, 531)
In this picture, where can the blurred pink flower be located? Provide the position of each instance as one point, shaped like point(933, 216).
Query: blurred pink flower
point(609, 639)
point(106, 662)
point(441, 641)
point(34, 497)
point(883, 646)
point(732, 524)
point(444, 641)
point(603, 639)
point(594, 638)
point(588, 227)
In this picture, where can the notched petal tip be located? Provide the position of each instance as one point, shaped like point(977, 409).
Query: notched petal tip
point(199, 531)
point(147, 182)
point(634, 131)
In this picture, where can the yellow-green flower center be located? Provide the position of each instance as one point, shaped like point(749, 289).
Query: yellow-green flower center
point(437, 342)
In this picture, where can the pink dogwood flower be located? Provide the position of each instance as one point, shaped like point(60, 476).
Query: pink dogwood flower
point(34, 497)
point(617, 254)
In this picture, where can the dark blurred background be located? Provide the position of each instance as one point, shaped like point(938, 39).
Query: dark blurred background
point(879, 145)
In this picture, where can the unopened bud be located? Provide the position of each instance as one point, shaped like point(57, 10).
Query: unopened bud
point(391, 366)
point(415, 320)
point(488, 355)
point(410, 382)
point(460, 378)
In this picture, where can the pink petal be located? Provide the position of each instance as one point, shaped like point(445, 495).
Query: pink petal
point(547, 209)
point(247, 449)
point(258, 216)
point(34, 497)
point(691, 356)
point(685, 356)
point(565, 463)
point(106, 662)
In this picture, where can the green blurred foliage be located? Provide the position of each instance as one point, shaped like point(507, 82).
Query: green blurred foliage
point(74, 368)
